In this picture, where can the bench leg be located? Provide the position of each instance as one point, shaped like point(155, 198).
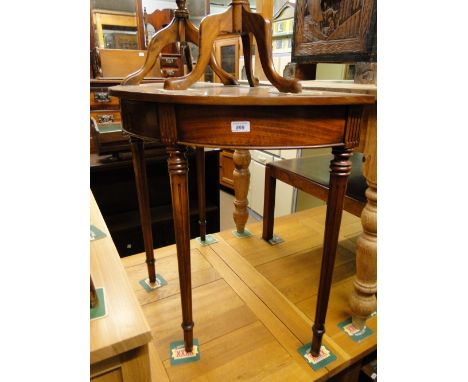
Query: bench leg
point(139, 167)
point(269, 205)
point(340, 168)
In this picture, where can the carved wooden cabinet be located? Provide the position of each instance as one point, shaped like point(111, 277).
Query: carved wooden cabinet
point(335, 31)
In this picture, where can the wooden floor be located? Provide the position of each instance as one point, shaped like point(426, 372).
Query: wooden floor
point(253, 303)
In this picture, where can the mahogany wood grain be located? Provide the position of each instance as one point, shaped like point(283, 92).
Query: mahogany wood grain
point(217, 94)
point(177, 118)
point(139, 166)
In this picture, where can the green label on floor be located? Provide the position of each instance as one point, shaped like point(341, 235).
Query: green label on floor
point(178, 354)
point(324, 358)
point(209, 239)
point(355, 334)
point(95, 233)
point(149, 287)
point(99, 310)
point(242, 235)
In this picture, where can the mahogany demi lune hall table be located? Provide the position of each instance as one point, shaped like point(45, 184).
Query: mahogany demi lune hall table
point(208, 115)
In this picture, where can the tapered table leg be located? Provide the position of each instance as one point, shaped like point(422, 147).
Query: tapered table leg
point(340, 168)
point(139, 167)
point(241, 177)
point(200, 153)
point(178, 169)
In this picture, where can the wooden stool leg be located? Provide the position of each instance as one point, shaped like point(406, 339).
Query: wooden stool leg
point(241, 177)
point(209, 29)
point(269, 205)
point(247, 48)
point(178, 169)
point(200, 153)
point(261, 29)
point(340, 168)
point(363, 301)
point(158, 42)
point(139, 167)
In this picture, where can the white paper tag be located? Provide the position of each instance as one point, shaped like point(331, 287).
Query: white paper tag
point(240, 127)
point(141, 54)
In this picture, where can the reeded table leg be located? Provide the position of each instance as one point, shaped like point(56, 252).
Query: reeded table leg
point(200, 153)
point(340, 168)
point(178, 169)
point(139, 167)
point(241, 176)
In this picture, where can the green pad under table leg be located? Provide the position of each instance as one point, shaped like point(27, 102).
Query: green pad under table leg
point(160, 282)
point(99, 310)
point(324, 358)
point(209, 239)
point(178, 355)
point(275, 240)
point(355, 334)
point(241, 235)
point(95, 233)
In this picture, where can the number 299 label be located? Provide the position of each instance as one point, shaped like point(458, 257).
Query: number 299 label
point(240, 127)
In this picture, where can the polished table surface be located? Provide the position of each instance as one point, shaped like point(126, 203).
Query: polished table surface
point(244, 117)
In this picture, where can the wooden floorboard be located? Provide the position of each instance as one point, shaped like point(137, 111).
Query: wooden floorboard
point(253, 303)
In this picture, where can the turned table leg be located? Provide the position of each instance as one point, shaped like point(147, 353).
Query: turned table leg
point(241, 177)
point(363, 301)
point(340, 168)
point(178, 170)
point(200, 153)
point(139, 167)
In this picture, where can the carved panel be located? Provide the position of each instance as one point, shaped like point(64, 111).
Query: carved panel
point(335, 31)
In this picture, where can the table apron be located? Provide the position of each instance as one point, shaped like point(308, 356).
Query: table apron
point(267, 126)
